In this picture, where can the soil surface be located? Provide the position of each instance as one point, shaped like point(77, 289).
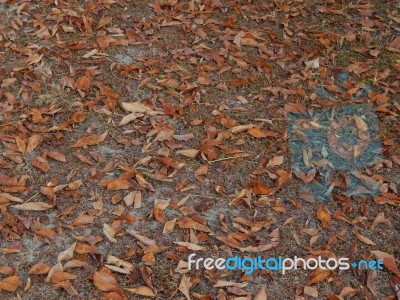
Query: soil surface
point(134, 133)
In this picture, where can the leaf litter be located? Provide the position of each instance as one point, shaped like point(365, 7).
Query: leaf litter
point(134, 133)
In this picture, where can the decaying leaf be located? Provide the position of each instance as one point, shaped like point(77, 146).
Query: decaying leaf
point(10, 284)
point(324, 216)
point(364, 239)
point(185, 285)
point(90, 140)
point(67, 254)
point(37, 206)
point(319, 275)
point(142, 291)
point(105, 281)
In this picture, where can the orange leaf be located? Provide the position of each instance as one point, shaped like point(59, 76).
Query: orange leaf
point(85, 248)
point(323, 216)
point(319, 275)
point(105, 281)
point(257, 133)
point(33, 142)
point(159, 214)
point(10, 284)
point(90, 140)
point(61, 276)
point(46, 232)
point(39, 268)
point(260, 189)
point(83, 83)
point(41, 163)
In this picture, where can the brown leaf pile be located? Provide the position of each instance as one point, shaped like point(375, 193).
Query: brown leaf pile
point(134, 133)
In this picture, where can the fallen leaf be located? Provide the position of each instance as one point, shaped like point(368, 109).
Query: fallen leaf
point(319, 275)
point(142, 291)
point(169, 225)
point(10, 284)
point(67, 254)
point(90, 140)
point(109, 232)
point(261, 294)
point(257, 133)
point(310, 291)
point(33, 142)
point(37, 206)
point(364, 239)
point(137, 107)
point(388, 260)
point(324, 217)
point(105, 281)
point(185, 285)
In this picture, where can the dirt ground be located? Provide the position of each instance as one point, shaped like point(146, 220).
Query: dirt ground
point(134, 133)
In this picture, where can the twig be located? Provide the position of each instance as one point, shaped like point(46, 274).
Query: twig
point(223, 158)
point(30, 198)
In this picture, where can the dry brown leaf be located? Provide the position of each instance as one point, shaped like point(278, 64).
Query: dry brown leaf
point(275, 161)
point(36, 206)
point(159, 214)
point(109, 232)
point(126, 266)
point(83, 83)
point(33, 142)
point(257, 133)
point(372, 276)
point(319, 275)
point(6, 270)
point(56, 156)
point(145, 240)
point(129, 118)
point(90, 140)
point(7, 82)
point(10, 197)
point(388, 260)
point(137, 107)
point(41, 164)
point(241, 128)
point(324, 216)
point(380, 218)
point(10, 284)
point(67, 286)
point(189, 223)
point(310, 291)
point(188, 152)
point(61, 276)
point(364, 239)
point(190, 246)
point(223, 283)
point(20, 144)
point(56, 268)
point(85, 249)
point(260, 248)
point(142, 291)
point(105, 281)
point(169, 225)
point(185, 285)
point(83, 219)
point(261, 294)
point(67, 254)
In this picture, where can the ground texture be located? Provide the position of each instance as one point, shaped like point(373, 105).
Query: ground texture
point(134, 133)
